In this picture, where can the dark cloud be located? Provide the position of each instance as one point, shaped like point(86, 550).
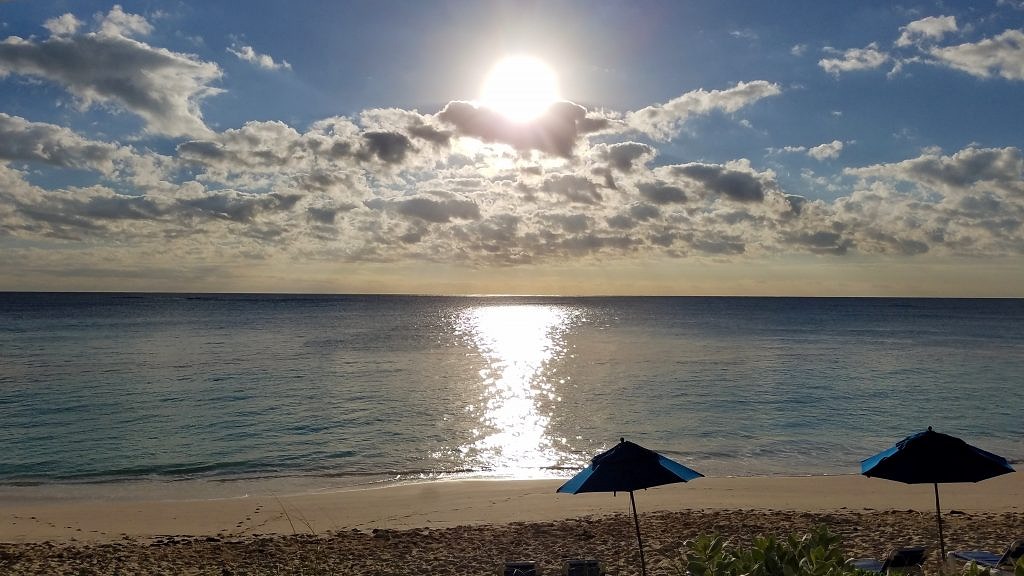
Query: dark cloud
point(661, 192)
point(624, 156)
point(822, 242)
point(644, 212)
point(555, 132)
point(569, 223)
point(430, 134)
point(388, 147)
point(238, 206)
point(322, 215)
point(719, 246)
point(438, 210)
point(733, 184)
point(573, 188)
point(621, 222)
point(796, 203)
point(22, 140)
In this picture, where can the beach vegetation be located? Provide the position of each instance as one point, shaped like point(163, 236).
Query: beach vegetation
point(817, 553)
point(973, 569)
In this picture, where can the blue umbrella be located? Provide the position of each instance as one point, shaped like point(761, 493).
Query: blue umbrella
point(627, 467)
point(934, 458)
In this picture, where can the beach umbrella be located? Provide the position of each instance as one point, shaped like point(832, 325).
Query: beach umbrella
point(934, 458)
point(628, 467)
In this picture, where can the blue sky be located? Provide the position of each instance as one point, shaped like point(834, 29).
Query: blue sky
point(837, 148)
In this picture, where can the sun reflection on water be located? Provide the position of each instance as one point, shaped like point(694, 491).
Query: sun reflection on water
point(518, 344)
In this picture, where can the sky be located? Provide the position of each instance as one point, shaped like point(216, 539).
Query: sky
point(686, 148)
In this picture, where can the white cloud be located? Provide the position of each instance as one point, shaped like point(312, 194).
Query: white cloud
point(798, 49)
point(117, 22)
point(465, 185)
point(248, 54)
point(663, 121)
point(1002, 55)
point(932, 28)
point(64, 25)
point(164, 88)
point(827, 151)
point(821, 152)
point(313, 197)
point(867, 58)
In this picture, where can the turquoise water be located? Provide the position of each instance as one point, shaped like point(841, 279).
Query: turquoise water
point(317, 391)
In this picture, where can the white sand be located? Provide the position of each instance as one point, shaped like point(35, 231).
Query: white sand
point(455, 503)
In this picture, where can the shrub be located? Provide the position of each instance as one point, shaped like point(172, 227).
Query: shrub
point(815, 554)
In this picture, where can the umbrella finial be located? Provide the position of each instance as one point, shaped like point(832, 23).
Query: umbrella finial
point(621, 439)
point(930, 429)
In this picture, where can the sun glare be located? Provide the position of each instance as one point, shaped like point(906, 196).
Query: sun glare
point(520, 88)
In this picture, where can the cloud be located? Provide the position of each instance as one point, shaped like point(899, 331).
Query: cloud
point(663, 121)
point(64, 25)
point(117, 22)
point(392, 185)
point(867, 58)
point(827, 151)
point(21, 140)
point(554, 132)
point(1002, 56)
point(248, 54)
point(932, 28)
point(739, 183)
point(999, 170)
point(660, 192)
point(968, 203)
point(107, 67)
point(438, 210)
point(574, 188)
point(624, 156)
point(306, 200)
point(326, 156)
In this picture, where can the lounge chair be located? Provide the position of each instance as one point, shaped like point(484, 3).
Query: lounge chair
point(987, 559)
point(520, 569)
point(587, 567)
point(901, 559)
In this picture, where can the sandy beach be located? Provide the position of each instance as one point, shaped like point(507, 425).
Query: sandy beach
point(473, 527)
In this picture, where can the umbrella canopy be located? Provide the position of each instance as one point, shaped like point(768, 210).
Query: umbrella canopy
point(931, 457)
point(627, 467)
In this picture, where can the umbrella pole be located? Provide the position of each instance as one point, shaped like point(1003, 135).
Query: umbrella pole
point(938, 515)
point(639, 541)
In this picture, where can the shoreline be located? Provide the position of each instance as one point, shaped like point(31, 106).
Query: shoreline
point(452, 503)
point(470, 527)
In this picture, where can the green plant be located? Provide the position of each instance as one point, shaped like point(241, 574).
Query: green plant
point(972, 569)
point(814, 554)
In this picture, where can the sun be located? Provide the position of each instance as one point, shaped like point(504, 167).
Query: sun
point(521, 88)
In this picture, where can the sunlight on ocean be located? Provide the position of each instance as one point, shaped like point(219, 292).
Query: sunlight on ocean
point(337, 390)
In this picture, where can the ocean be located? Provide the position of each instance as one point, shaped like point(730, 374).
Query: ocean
point(221, 395)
